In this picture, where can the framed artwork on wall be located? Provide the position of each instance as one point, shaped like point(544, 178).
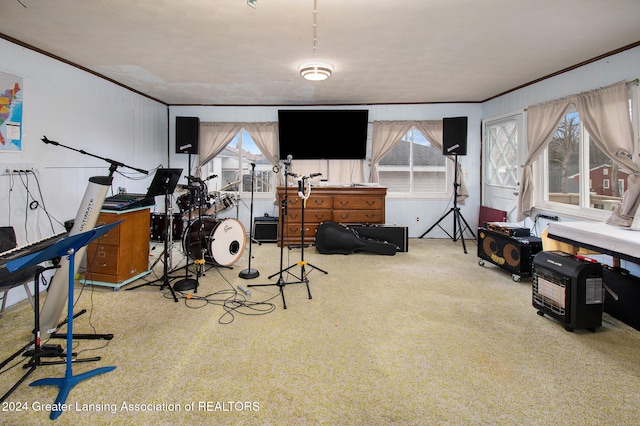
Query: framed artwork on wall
point(10, 112)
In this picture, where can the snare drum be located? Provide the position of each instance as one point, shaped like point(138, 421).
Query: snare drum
point(189, 204)
point(221, 241)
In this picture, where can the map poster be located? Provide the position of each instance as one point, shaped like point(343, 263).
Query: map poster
point(10, 112)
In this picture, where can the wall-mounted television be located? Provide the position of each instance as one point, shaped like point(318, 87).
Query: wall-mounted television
point(323, 134)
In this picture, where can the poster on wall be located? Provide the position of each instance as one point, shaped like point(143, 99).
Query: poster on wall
point(10, 112)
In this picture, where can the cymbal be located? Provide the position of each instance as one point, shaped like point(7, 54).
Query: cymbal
point(231, 185)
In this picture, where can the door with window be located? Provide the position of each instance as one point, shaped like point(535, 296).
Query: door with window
point(503, 152)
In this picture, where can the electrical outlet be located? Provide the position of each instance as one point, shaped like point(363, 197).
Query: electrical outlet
point(9, 168)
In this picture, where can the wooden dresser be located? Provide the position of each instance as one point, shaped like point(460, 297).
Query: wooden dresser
point(122, 254)
point(341, 204)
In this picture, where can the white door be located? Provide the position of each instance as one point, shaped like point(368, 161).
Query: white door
point(503, 152)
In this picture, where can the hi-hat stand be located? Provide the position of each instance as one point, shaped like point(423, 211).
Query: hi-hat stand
point(197, 196)
point(281, 284)
point(458, 219)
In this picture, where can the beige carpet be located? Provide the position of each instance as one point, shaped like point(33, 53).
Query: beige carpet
point(423, 337)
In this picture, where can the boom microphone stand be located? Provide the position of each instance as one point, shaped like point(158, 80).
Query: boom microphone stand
point(249, 273)
point(281, 284)
point(458, 219)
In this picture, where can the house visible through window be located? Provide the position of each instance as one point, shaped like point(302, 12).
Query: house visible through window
point(233, 167)
point(414, 166)
point(578, 172)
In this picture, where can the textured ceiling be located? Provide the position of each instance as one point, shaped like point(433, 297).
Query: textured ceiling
point(223, 52)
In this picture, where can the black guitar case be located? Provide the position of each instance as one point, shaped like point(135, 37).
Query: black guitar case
point(332, 238)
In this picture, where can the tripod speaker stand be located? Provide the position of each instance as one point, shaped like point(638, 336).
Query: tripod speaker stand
point(458, 219)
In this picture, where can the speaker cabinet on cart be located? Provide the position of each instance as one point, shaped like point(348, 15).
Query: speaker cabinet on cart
point(569, 289)
point(513, 254)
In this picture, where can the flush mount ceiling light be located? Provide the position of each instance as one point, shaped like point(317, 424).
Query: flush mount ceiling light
point(315, 70)
point(252, 3)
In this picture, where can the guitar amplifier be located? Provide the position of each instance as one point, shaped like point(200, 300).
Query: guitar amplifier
point(265, 229)
point(513, 254)
point(568, 288)
point(398, 235)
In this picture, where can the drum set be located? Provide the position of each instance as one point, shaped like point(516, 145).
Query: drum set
point(218, 241)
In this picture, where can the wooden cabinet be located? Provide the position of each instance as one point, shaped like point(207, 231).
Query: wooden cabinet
point(341, 204)
point(122, 254)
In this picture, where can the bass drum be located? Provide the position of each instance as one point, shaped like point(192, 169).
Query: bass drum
point(221, 241)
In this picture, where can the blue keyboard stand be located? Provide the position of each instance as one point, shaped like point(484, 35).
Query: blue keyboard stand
point(65, 247)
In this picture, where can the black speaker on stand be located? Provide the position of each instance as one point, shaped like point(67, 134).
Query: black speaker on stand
point(454, 142)
point(187, 135)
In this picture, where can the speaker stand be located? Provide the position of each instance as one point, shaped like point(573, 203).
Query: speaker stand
point(458, 219)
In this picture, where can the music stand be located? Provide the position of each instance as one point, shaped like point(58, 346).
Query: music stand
point(164, 183)
point(66, 247)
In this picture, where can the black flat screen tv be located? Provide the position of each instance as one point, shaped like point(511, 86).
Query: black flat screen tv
point(323, 134)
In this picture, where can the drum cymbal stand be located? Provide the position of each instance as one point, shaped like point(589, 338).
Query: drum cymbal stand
point(281, 284)
point(249, 273)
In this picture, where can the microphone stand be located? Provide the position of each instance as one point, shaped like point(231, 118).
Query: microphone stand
point(281, 284)
point(249, 273)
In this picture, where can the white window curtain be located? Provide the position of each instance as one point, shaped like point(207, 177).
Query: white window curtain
point(386, 134)
point(265, 135)
point(604, 113)
point(213, 138)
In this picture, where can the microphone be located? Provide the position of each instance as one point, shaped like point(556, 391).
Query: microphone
point(312, 175)
point(45, 140)
point(289, 158)
point(292, 174)
point(211, 177)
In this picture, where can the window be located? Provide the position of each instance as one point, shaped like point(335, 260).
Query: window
point(578, 172)
point(233, 167)
point(414, 166)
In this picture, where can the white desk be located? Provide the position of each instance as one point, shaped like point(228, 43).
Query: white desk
point(621, 243)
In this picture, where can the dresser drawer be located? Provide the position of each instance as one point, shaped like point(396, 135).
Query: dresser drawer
point(310, 216)
point(357, 216)
point(102, 258)
point(313, 202)
point(293, 231)
point(341, 202)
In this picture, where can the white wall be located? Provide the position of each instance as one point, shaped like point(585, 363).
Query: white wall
point(399, 211)
point(83, 112)
point(623, 66)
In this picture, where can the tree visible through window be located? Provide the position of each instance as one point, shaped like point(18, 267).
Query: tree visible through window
point(579, 173)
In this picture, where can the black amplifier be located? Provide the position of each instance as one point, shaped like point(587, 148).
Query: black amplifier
point(265, 229)
point(622, 295)
point(568, 288)
point(514, 254)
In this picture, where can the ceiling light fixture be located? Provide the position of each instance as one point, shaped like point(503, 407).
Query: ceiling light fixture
point(252, 3)
point(315, 70)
